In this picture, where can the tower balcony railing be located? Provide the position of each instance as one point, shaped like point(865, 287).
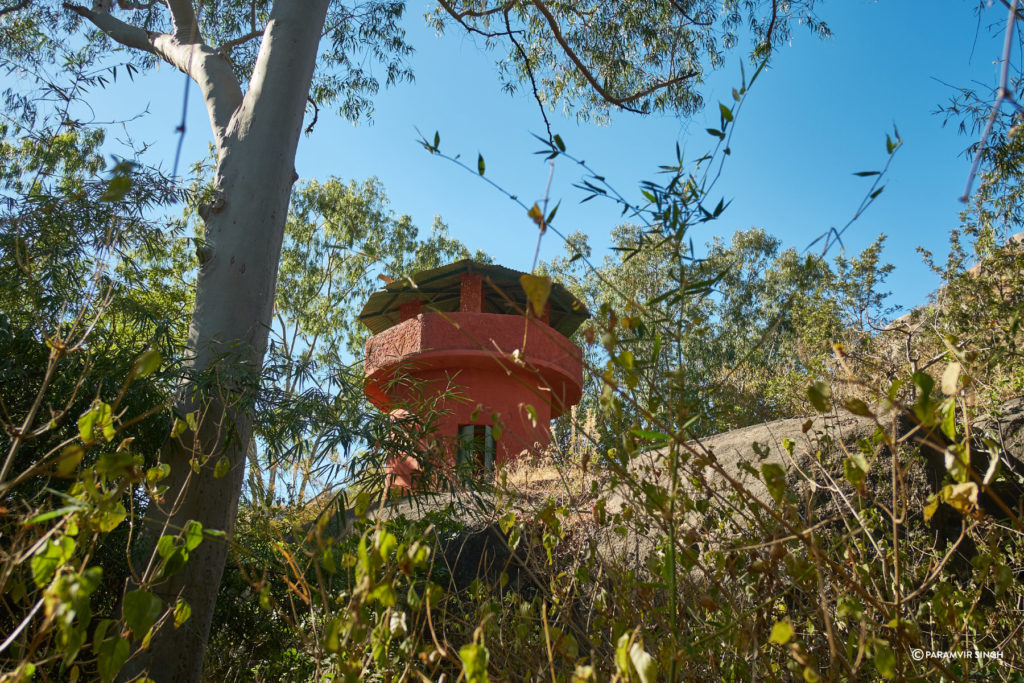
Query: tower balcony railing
point(513, 344)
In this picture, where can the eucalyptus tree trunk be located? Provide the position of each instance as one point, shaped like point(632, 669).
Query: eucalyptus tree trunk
point(256, 136)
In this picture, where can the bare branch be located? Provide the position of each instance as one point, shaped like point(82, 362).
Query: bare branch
point(771, 24)
point(183, 15)
point(240, 40)
point(475, 14)
point(1003, 94)
point(117, 30)
point(621, 102)
point(14, 8)
point(533, 82)
point(693, 20)
point(460, 17)
point(199, 61)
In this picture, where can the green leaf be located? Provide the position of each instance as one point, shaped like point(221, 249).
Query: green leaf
point(931, 507)
point(857, 407)
point(864, 174)
point(117, 188)
point(157, 473)
point(924, 382)
point(559, 143)
point(193, 534)
point(98, 415)
point(819, 394)
point(148, 363)
point(59, 512)
point(173, 564)
point(651, 436)
point(179, 428)
point(222, 467)
point(166, 545)
point(114, 464)
point(885, 660)
point(480, 166)
point(332, 635)
point(948, 411)
point(956, 463)
point(538, 289)
point(362, 503)
point(622, 655)
point(781, 633)
point(474, 662)
point(111, 517)
point(141, 609)
point(726, 112)
point(646, 666)
point(386, 542)
point(531, 413)
point(385, 594)
point(49, 558)
point(182, 612)
point(774, 479)
point(853, 473)
point(112, 654)
point(70, 456)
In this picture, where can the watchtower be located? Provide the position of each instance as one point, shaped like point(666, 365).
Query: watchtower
point(470, 325)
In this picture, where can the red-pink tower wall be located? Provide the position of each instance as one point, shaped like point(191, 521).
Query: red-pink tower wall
point(514, 366)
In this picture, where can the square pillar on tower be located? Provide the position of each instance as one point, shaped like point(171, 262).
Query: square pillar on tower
point(409, 310)
point(471, 293)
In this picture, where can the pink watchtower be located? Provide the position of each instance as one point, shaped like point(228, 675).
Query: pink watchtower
point(467, 339)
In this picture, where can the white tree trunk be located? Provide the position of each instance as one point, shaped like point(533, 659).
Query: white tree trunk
point(228, 334)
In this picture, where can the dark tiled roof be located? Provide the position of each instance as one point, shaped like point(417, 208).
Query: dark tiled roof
point(439, 290)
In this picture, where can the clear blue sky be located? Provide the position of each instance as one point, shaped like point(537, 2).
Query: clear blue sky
point(819, 114)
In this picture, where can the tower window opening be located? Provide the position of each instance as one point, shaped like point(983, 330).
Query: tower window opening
point(476, 449)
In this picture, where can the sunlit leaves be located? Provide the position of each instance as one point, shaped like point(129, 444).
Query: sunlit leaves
point(782, 631)
point(95, 422)
point(53, 554)
point(474, 658)
point(538, 289)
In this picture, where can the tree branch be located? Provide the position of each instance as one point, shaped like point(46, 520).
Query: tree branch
point(1002, 94)
point(460, 17)
point(14, 8)
point(771, 24)
point(199, 61)
point(183, 16)
point(621, 102)
point(475, 14)
point(235, 42)
point(529, 72)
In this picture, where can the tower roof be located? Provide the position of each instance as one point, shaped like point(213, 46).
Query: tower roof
point(439, 290)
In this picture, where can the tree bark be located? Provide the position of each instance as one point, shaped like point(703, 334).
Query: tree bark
point(230, 324)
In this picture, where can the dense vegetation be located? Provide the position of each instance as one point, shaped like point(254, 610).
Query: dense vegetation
point(880, 522)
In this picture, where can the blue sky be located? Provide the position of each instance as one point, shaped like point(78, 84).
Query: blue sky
point(819, 114)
